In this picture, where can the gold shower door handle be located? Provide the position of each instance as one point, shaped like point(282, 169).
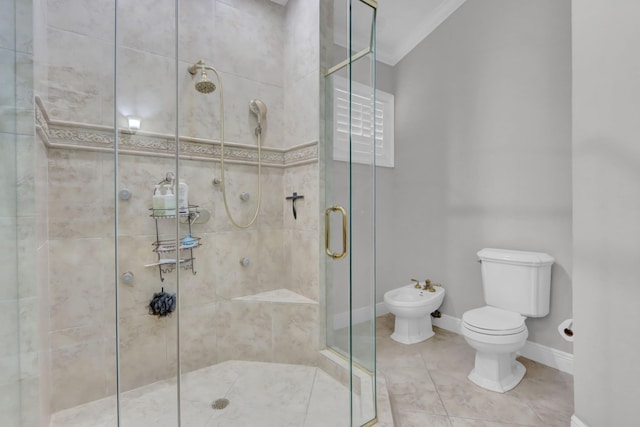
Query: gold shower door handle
point(327, 229)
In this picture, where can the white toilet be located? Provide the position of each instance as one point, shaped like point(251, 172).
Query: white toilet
point(412, 308)
point(516, 286)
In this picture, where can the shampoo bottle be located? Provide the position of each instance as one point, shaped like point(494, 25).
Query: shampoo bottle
point(169, 201)
point(158, 202)
point(183, 197)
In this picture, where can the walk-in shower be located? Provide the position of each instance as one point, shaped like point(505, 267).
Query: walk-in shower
point(78, 345)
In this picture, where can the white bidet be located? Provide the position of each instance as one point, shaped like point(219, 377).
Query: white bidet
point(412, 308)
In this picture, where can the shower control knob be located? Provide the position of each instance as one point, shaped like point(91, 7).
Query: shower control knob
point(244, 261)
point(216, 181)
point(244, 196)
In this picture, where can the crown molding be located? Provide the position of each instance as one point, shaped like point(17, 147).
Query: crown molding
point(391, 54)
point(426, 27)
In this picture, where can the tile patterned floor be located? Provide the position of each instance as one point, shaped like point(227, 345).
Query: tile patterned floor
point(426, 384)
point(428, 387)
point(260, 394)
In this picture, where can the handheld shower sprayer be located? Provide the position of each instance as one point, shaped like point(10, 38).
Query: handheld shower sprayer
point(258, 108)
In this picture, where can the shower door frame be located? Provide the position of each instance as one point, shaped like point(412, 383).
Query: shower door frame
point(356, 366)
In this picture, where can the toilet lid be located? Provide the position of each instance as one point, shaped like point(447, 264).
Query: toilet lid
point(493, 321)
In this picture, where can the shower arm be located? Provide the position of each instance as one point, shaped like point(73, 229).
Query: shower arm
point(200, 65)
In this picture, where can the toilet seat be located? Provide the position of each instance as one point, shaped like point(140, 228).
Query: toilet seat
point(493, 321)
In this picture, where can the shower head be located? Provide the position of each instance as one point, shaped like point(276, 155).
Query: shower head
point(258, 108)
point(204, 85)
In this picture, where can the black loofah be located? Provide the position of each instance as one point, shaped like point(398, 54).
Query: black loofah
point(162, 304)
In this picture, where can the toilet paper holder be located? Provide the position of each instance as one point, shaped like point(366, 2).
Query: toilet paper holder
point(566, 329)
point(568, 332)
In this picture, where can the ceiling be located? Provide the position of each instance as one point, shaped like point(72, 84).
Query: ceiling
point(401, 24)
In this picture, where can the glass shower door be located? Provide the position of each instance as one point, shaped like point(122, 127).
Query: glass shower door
point(349, 217)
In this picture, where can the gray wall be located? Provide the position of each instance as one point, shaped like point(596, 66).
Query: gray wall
point(483, 154)
point(606, 210)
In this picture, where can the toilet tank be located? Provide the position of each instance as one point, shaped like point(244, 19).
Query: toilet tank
point(517, 280)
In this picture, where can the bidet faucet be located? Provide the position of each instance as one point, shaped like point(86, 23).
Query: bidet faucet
point(428, 286)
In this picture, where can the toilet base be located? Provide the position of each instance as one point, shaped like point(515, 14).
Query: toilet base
point(497, 372)
point(412, 330)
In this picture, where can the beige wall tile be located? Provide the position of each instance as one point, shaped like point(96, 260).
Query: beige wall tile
point(149, 32)
point(26, 162)
point(10, 403)
point(295, 333)
point(244, 331)
point(94, 19)
point(76, 288)
point(9, 327)
point(30, 399)
point(151, 99)
point(8, 26)
point(8, 259)
point(198, 341)
point(303, 254)
point(144, 350)
point(260, 39)
point(29, 318)
point(301, 110)
point(77, 374)
point(8, 169)
point(26, 248)
point(77, 200)
point(138, 174)
point(303, 180)
point(231, 278)
point(76, 84)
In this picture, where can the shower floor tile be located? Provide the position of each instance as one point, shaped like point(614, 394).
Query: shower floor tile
point(264, 394)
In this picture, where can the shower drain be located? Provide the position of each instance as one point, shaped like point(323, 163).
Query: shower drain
point(220, 404)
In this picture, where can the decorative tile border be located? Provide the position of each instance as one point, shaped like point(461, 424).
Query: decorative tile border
point(101, 138)
point(301, 154)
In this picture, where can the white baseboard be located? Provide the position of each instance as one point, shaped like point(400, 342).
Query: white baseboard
point(447, 322)
point(381, 309)
point(551, 357)
point(359, 315)
point(560, 360)
point(575, 422)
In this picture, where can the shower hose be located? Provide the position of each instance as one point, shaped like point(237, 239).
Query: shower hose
point(223, 181)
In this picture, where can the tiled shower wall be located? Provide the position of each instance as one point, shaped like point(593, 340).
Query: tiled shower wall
point(251, 43)
point(82, 278)
point(23, 212)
